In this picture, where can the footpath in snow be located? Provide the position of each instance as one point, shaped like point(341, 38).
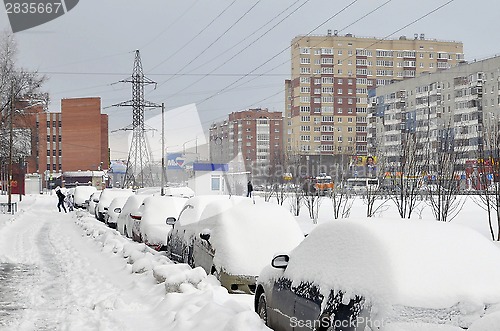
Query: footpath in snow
point(70, 272)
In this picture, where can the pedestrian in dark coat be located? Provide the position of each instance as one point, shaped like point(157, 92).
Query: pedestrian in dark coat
point(249, 189)
point(60, 197)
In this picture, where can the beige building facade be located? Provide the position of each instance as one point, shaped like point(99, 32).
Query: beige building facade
point(333, 77)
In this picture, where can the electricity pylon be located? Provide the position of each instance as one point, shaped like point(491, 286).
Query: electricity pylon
point(138, 173)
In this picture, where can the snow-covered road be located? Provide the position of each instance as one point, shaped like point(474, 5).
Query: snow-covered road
point(63, 272)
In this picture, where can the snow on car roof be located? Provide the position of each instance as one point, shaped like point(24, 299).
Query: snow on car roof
point(196, 205)
point(179, 191)
point(407, 262)
point(156, 211)
point(246, 236)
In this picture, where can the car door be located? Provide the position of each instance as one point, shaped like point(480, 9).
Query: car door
point(175, 246)
point(307, 306)
point(203, 254)
point(282, 305)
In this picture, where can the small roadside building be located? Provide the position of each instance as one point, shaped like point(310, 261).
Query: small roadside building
point(209, 179)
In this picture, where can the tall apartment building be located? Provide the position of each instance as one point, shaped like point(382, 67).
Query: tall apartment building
point(459, 106)
point(255, 134)
point(332, 77)
point(74, 139)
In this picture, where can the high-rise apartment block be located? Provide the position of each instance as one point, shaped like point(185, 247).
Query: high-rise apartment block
point(459, 107)
point(332, 77)
point(252, 135)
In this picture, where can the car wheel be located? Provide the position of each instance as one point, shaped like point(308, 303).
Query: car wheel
point(262, 308)
point(215, 272)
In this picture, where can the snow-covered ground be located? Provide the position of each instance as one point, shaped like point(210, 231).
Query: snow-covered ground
point(70, 272)
point(471, 214)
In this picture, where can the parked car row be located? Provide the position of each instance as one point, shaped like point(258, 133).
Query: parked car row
point(229, 236)
point(359, 274)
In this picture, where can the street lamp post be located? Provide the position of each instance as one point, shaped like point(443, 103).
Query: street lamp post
point(162, 148)
point(11, 141)
point(184, 146)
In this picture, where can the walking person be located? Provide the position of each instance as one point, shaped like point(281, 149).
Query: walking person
point(69, 201)
point(249, 189)
point(60, 197)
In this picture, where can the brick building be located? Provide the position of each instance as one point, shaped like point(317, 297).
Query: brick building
point(52, 143)
point(254, 134)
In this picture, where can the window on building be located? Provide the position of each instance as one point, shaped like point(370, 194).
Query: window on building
point(215, 184)
point(48, 124)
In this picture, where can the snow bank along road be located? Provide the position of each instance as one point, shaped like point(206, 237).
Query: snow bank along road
point(70, 272)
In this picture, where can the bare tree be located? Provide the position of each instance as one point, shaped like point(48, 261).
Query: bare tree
point(18, 87)
point(312, 200)
point(295, 196)
point(403, 169)
point(489, 181)
point(342, 201)
point(443, 193)
point(15, 83)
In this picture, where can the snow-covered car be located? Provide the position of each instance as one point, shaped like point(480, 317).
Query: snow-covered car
point(231, 237)
point(124, 223)
point(105, 199)
point(93, 201)
point(384, 274)
point(114, 210)
point(151, 227)
point(179, 191)
point(82, 196)
point(173, 191)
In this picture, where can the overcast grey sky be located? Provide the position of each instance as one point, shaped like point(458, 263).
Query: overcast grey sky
point(91, 47)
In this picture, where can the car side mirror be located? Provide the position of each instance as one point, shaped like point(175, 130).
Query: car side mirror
point(280, 261)
point(205, 234)
point(170, 221)
point(117, 210)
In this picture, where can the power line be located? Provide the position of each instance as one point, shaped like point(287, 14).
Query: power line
point(318, 43)
point(213, 42)
point(170, 25)
point(196, 36)
point(87, 60)
point(248, 36)
point(276, 55)
point(239, 53)
point(104, 73)
point(226, 89)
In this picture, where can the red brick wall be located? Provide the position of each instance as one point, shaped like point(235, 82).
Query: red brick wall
point(82, 134)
